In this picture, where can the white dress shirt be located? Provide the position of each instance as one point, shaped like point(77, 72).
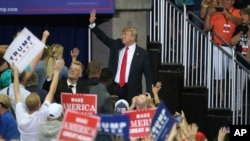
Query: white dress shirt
point(130, 55)
point(73, 88)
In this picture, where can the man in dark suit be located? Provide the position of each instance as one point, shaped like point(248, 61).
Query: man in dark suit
point(127, 80)
point(72, 84)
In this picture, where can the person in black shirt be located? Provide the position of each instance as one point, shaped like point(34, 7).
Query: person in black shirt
point(241, 38)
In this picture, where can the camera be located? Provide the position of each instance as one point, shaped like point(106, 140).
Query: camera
point(219, 9)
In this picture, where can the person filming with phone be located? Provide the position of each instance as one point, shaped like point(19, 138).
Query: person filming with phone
point(222, 22)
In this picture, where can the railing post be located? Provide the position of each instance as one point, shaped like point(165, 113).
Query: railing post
point(209, 68)
point(184, 45)
point(233, 86)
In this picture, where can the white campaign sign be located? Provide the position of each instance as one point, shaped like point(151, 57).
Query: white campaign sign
point(23, 49)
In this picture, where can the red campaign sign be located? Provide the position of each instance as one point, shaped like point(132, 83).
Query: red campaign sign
point(140, 121)
point(86, 103)
point(77, 126)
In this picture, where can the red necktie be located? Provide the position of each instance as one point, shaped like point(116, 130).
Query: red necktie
point(123, 68)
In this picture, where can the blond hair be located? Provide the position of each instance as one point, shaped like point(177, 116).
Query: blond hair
point(54, 52)
point(33, 101)
point(5, 101)
point(132, 30)
point(78, 63)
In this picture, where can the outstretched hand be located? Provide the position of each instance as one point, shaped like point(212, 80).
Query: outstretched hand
point(222, 133)
point(157, 87)
point(45, 36)
point(59, 64)
point(46, 33)
point(74, 53)
point(92, 16)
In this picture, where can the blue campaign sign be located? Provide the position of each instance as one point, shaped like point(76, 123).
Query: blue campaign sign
point(115, 124)
point(30, 7)
point(162, 123)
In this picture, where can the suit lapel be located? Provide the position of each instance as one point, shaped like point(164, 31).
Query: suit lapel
point(134, 59)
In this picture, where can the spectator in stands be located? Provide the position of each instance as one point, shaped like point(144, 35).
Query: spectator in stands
point(189, 4)
point(242, 34)
point(104, 99)
point(45, 68)
point(229, 16)
point(31, 86)
point(127, 77)
point(222, 23)
point(48, 129)
point(72, 84)
point(28, 120)
point(8, 125)
point(241, 41)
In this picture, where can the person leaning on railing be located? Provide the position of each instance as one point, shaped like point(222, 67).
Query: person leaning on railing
point(241, 34)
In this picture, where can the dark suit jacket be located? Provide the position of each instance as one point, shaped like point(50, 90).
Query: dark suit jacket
point(63, 87)
point(140, 64)
point(90, 82)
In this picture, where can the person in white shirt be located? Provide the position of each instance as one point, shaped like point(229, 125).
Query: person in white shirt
point(28, 120)
point(9, 90)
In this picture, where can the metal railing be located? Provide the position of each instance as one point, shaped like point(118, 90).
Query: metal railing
point(184, 42)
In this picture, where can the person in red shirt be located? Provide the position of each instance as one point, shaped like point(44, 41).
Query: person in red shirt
point(222, 21)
